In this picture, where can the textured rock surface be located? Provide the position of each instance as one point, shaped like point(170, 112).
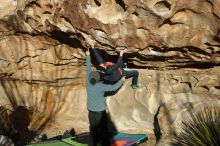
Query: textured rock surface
point(6, 141)
point(164, 98)
point(42, 64)
point(172, 33)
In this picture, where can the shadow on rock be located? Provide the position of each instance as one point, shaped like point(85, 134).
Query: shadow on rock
point(20, 119)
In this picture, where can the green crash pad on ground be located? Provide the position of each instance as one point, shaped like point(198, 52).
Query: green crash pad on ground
point(119, 139)
point(51, 143)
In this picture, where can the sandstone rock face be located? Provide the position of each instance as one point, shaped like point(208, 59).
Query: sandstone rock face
point(6, 141)
point(46, 77)
point(164, 99)
point(174, 33)
point(174, 44)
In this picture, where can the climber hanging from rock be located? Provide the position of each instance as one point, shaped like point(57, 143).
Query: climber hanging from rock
point(96, 105)
point(111, 72)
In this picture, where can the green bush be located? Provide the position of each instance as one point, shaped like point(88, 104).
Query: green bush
point(201, 129)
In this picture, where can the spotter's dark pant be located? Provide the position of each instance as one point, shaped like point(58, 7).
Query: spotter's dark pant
point(98, 128)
